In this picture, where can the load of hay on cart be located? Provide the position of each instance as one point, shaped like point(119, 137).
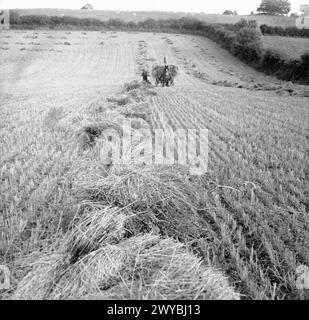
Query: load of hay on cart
point(164, 75)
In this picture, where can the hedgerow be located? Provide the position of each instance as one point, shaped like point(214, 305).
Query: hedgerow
point(284, 32)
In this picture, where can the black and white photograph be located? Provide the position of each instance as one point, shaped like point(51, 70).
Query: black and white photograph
point(155, 151)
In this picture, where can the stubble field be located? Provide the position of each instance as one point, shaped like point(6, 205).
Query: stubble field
point(253, 204)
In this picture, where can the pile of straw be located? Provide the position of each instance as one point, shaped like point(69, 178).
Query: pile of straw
point(142, 267)
point(88, 134)
point(137, 110)
point(163, 197)
point(114, 115)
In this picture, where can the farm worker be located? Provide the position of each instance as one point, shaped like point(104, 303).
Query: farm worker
point(145, 76)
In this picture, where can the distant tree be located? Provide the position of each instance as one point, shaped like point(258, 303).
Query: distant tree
point(252, 13)
point(274, 7)
point(235, 13)
point(88, 6)
point(228, 13)
point(294, 15)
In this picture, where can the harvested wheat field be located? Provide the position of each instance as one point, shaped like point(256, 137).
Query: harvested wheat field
point(75, 225)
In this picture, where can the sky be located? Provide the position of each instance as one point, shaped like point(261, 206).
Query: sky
point(216, 6)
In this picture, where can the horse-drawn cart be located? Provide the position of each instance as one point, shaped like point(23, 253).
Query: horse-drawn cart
point(164, 74)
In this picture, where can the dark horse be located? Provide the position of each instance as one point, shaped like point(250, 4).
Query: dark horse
point(166, 77)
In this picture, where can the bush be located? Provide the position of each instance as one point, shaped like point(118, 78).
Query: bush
point(291, 69)
point(265, 29)
point(305, 67)
point(243, 23)
point(252, 24)
point(249, 52)
point(248, 46)
point(248, 35)
point(229, 38)
point(272, 61)
point(284, 32)
point(305, 59)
